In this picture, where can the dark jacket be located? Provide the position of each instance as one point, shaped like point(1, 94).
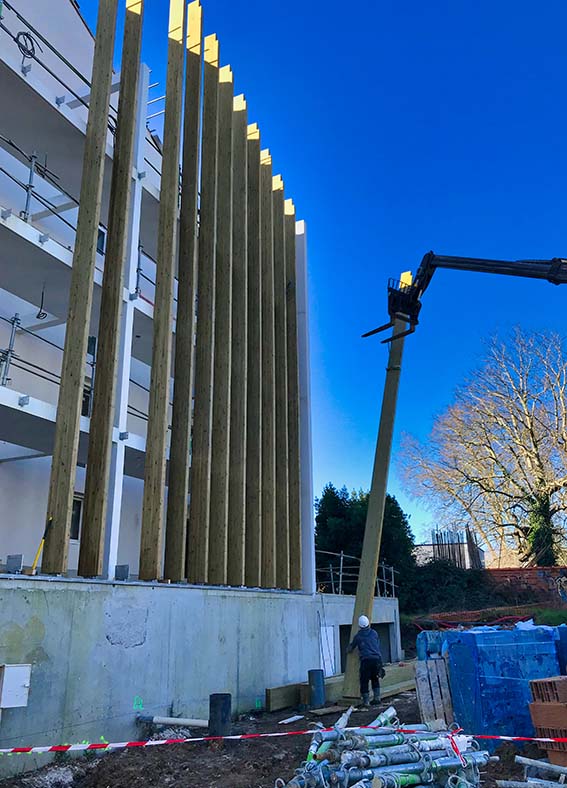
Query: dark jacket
point(368, 644)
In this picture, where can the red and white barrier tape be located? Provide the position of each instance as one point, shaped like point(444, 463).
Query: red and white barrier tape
point(240, 737)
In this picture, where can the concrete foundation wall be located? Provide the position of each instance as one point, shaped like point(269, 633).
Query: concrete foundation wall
point(99, 650)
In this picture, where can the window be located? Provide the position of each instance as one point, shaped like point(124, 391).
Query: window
point(101, 241)
point(86, 406)
point(76, 518)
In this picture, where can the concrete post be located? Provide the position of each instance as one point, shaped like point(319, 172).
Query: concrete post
point(116, 476)
point(67, 429)
point(102, 419)
point(178, 486)
point(305, 441)
point(151, 545)
point(373, 530)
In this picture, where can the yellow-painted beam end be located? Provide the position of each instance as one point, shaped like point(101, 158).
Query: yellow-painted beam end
point(289, 207)
point(212, 54)
point(253, 131)
point(194, 26)
point(225, 74)
point(277, 183)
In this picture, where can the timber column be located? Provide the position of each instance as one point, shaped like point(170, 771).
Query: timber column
point(218, 524)
point(200, 475)
point(294, 502)
point(268, 377)
point(237, 461)
point(160, 382)
point(67, 428)
point(178, 482)
point(280, 324)
point(102, 419)
point(254, 352)
point(366, 585)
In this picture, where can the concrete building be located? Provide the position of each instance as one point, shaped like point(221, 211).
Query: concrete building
point(101, 649)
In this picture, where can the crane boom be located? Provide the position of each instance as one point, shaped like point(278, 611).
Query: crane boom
point(404, 300)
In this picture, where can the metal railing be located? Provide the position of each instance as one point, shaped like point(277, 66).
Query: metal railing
point(337, 573)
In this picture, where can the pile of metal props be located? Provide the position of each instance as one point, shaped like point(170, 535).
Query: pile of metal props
point(553, 775)
point(385, 754)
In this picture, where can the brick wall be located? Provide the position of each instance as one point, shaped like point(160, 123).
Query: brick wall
point(547, 584)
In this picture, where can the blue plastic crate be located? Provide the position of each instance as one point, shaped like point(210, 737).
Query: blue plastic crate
point(490, 671)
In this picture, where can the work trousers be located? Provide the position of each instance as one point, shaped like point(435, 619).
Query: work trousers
point(369, 671)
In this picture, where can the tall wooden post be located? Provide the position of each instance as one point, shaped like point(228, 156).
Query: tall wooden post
point(365, 589)
point(237, 461)
point(102, 419)
point(160, 387)
point(200, 475)
point(295, 552)
point(178, 482)
point(67, 429)
point(280, 324)
point(254, 352)
point(268, 377)
point(218, 524)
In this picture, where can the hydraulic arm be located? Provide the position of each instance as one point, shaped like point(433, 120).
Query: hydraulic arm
point(404, 300)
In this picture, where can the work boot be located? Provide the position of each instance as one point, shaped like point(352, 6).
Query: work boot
point(365, 699)
point(376, 698)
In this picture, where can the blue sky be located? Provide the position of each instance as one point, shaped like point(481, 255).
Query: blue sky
point(402, 126)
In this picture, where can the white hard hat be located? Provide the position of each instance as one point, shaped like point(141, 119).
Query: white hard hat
point(363, 622)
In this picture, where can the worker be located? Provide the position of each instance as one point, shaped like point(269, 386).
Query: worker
point(368, 645)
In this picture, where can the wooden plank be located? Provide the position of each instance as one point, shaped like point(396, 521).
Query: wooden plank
point(435, 689)
point(67, 427)
point(178, 482)
point(268, 377)
point(253, 535)
point(238, 382)
point(218, 517)
point(294, 466)
point(200, 479)
point(281, 398)
point(424, 697)
point(151, 540)
point(441, 666)
point(104, 394)
point(282, 697)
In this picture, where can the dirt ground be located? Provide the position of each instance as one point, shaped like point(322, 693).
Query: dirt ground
point(238, 764)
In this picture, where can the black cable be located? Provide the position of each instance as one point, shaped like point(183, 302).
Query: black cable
point(26, 44)
point(41, 313)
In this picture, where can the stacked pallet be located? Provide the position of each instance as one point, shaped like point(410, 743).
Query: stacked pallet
point(549, 716)
point(434, 691)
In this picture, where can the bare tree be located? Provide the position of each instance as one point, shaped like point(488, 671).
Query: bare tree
point(497, 458)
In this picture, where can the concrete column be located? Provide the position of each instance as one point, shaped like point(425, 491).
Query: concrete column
point(218, 523)
point(200, 475)
point(178, 486)
point(268, 376)
point(67, 429)
point(281, 397)
point(254, 352)
point(237, 461)
point(305, 443)
point(117, 452)
point(151, 546)
point(111, 308)
point(295, 548)
point(366, 586)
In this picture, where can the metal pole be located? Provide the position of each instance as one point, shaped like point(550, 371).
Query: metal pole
point(376, 503)
point(25, 214)
point(332, 579)
point(9, 352)
point(341, 573)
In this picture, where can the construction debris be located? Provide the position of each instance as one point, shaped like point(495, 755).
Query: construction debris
point(385, 754)
point(533, 771)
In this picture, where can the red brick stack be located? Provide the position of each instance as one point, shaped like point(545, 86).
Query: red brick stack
point(549, 716)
